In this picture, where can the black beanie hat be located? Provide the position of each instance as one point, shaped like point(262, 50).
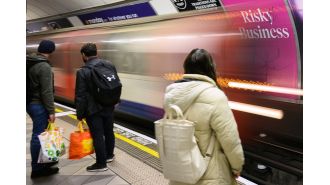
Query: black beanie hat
point(46, 46)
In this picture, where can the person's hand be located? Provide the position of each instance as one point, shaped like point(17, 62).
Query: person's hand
point(236, 174)
point(51, 118)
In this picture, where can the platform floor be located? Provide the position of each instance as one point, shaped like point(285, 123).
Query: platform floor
point(124, 170)
point(137, 161)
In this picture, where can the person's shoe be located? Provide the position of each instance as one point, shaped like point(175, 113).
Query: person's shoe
point(44, 172)
point(110, 159)
point(97, 168)
point(51, 164)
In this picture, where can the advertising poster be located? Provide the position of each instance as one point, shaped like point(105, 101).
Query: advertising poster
point(48, 25)
point(268, 30)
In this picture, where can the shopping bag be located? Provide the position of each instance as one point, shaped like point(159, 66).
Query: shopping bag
point(52, 144)
point(81, 142)
point(180, 156)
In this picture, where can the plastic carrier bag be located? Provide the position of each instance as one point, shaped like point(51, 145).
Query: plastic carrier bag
point(179, 153)
point(52, 144)
point(81, 142)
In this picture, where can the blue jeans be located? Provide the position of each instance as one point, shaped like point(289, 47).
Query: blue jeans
point(39, 116)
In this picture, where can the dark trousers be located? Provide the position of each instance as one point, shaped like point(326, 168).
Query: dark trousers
point(101, 128)
point(39, 116)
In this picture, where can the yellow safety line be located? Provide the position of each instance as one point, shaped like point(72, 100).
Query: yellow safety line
point(138, 145)
point(70, 115)
point(58, 110)
point(123, 138)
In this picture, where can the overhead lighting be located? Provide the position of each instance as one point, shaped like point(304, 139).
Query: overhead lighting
point(173, 76)
point(222, 35)
point(243, 107)
point(115, 41)
point(266, 88)
point(32, 45)
point(130, 40)
point(148, 39)
point(255, 109)
point(181, 37)
point(142, 39)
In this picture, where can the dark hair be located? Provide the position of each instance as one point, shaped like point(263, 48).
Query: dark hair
point(89, 50)
point(199, 61)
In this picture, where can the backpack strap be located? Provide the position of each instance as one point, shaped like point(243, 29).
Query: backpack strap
point(90, 66)
point(210, 148)
point(179, 115)
point(99, 62)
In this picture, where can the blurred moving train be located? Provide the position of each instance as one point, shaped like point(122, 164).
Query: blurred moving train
point(261, 77)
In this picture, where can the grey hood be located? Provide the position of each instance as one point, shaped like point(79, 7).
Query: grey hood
point(183, 94)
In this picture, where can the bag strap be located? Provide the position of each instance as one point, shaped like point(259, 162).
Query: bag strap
point(80, 125)
point(98, 61)
point(51, 126)
point(210, 148)
point(176, 109)
point(180, 115)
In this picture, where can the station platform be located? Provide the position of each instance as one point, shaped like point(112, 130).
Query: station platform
point(136, 158)
point(125, 169)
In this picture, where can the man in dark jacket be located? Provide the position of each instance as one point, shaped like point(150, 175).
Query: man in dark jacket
point(40, 102)
point(99, 118)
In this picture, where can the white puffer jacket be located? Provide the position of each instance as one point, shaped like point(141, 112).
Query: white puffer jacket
point(210, 111)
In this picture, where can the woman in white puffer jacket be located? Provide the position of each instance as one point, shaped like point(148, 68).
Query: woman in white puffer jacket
point(202, 102)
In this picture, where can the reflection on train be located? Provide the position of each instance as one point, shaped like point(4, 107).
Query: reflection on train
point(264, 92)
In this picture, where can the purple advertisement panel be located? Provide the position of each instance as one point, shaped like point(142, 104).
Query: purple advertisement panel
point(118, 14)
point(269, 26)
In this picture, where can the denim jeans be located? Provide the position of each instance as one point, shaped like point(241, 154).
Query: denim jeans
point(39, 116)
point(101, 128)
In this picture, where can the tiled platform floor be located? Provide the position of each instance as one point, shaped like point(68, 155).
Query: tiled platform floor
point(124, 170)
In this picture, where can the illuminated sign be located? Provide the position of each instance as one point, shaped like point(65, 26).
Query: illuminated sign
point(186, 5)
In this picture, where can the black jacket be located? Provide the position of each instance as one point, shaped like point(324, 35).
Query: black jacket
point(41, 81)
point(84, 100)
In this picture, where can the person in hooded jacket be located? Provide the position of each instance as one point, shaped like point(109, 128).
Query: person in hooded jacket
point(203, 102)
point(40, 102)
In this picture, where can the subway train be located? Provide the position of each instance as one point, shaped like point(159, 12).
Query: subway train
point(259, 66)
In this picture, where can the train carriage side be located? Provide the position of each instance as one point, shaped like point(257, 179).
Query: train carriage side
point(149, 56)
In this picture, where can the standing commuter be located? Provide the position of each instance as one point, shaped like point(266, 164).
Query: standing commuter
point(99, 117)
point(40, 102)
point(202, 101)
